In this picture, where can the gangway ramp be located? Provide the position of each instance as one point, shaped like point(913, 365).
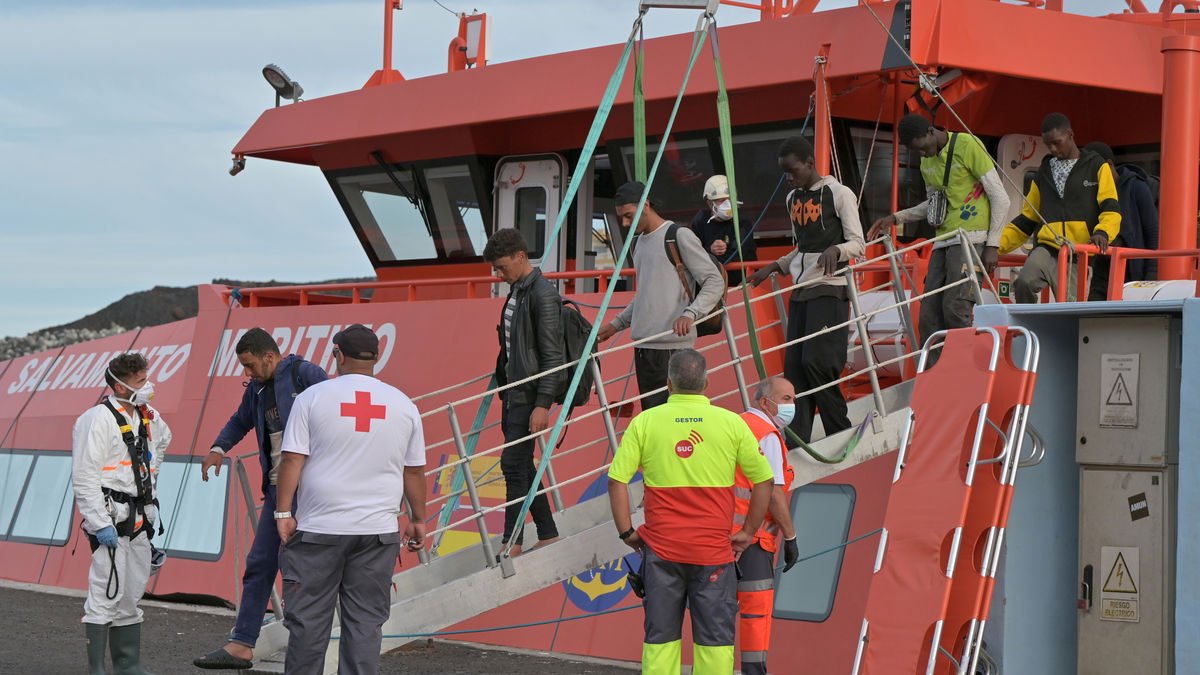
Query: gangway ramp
point(448, 590)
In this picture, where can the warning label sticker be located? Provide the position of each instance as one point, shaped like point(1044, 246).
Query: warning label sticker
point(1119, 390)
point(1119, 593)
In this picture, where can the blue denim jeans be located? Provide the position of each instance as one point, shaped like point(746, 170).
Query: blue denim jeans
point(262, 565)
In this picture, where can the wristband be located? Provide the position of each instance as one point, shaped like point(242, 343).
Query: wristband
point(282, 515)
point(627, 533)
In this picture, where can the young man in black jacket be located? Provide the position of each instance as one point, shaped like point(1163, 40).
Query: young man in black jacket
point(531, 342)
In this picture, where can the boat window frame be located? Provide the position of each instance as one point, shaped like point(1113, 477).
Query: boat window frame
point(67, 503)
point(188, 476)
point(793, 506)
point(20, 489)
point(71, 510)
point(480, 168)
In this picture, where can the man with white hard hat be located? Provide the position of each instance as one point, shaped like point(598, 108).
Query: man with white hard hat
point(713, 225)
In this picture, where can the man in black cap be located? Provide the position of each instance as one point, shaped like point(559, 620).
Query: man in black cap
point(664, 301)
point(356, 446)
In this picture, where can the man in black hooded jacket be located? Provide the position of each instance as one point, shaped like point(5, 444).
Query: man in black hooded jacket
point(1139, 216)
point(531, 342)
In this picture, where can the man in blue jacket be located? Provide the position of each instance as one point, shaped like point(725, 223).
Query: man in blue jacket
point(275, 381)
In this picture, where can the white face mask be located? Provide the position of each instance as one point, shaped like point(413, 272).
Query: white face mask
point(723, 210)
point(137, 396)
point(787, 412)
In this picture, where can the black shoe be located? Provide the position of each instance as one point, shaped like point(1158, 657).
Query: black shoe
point(222, 660)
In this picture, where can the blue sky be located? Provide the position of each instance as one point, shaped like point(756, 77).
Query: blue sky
point(117, 117)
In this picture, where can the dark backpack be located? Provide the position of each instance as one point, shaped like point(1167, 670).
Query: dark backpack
point(713, 324)
point(575, 334)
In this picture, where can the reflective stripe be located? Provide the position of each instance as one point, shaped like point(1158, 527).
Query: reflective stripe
point(109, 468)
point(739, 518)
point(707, 659)
point(125, 428)
point(741, 493)
point(754, 657)
point(759, 585)
point(664, 658)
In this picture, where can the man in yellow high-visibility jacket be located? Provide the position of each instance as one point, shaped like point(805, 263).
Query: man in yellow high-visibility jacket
point(688, 451)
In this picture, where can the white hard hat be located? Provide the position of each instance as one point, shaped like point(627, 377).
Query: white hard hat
point(716, 188)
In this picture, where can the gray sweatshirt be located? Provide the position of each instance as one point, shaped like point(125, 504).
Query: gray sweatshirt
point(660, 298)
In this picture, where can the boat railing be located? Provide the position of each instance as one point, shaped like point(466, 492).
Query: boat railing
point(1118, 256)
point(452, 518)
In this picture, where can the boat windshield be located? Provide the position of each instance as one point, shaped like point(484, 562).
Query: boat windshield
point(400, 217)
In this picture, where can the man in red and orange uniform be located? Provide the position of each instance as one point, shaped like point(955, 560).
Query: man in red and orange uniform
point(774, 407)
point(688, 451)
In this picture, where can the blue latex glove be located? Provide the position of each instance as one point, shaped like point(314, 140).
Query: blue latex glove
point(108, 536)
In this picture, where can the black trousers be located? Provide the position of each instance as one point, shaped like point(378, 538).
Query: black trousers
point(651, 367)
point(816, 362)
point(516, 463)
point(1101, 265)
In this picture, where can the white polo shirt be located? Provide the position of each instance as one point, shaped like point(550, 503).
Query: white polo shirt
point(358, 433)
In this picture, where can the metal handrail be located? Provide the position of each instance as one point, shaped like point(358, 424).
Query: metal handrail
point(859, 318)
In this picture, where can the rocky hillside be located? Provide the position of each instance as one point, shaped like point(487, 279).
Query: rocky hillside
point(159, 305)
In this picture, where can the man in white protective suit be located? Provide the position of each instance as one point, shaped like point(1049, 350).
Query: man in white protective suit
point(117, 447)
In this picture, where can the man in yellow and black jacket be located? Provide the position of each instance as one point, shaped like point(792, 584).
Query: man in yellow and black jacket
point(1076, 196)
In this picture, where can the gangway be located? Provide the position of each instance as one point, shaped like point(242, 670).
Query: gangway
point(445, 590)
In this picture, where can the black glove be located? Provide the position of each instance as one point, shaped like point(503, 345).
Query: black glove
point(791, 553)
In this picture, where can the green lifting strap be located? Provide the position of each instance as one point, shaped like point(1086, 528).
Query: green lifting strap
point(457, 483)
point(726, 133)
point(564, 411)
point(639, 110)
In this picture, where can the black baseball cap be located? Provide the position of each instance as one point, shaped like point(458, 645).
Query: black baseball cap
point(631, 193)
point(357, 342)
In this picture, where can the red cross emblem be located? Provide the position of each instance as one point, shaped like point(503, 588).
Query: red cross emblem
point(363, 411)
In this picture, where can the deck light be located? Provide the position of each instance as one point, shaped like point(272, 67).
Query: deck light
point(239, 163)
point(285, 87)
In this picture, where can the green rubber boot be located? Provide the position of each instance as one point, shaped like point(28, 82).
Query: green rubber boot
point(126, 645)
point(97, 645)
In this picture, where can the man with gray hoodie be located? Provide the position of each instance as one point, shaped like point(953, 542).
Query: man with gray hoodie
point(828, 234)
point(661, 303)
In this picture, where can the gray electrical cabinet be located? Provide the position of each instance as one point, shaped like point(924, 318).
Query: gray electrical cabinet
point(1127, 426)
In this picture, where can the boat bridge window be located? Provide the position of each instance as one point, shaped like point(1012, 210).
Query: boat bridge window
point(679, 184)
point(387, 216)
point(821, 514)
point(416, 213)
point(460, 230)
point(688, 163)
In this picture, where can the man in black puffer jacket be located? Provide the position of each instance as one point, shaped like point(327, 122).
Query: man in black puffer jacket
point(531, 342)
